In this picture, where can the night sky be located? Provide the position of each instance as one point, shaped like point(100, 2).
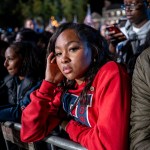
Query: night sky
point(96, 5)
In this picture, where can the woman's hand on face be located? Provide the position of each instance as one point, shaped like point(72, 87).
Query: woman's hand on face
point(53, 73)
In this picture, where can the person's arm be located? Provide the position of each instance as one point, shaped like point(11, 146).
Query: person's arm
point(140, 106)
point(13, 112)
point(112, 127)
point(119, 50)
point(40, 117)
point(10, 113)
point(26, 99)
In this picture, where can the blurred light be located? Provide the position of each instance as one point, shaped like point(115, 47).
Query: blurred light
point(9, 30)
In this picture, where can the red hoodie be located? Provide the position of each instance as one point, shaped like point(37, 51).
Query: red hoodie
point(102, 124)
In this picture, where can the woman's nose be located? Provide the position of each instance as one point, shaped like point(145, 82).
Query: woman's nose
point(65, 58)
point(5, 63)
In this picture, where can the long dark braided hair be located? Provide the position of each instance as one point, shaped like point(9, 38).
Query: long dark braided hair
point(98, 46)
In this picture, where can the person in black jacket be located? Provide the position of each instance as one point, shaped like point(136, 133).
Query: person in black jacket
point(22, 64)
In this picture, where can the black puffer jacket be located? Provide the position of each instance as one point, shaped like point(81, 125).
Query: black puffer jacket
point(14, 97)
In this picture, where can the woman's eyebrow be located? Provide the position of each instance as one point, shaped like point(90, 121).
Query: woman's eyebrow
point(70, 42)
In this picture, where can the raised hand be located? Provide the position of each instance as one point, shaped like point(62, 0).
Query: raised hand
point(53, 73)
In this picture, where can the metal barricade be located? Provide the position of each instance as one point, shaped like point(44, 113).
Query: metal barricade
point(11, 132)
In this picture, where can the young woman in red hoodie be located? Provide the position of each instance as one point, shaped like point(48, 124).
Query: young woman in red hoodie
point(81, 81)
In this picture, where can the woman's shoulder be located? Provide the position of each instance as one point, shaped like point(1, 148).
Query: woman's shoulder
point(112, 68)
point(7, 81)
point(111, 71)
point(8, 78)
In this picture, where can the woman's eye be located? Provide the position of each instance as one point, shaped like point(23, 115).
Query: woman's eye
point(74, 48)
point(57, 54)
point(9, 59)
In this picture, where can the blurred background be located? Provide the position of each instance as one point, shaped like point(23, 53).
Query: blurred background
point(43, 12)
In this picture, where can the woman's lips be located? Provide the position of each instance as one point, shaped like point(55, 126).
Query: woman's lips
point(67, 70)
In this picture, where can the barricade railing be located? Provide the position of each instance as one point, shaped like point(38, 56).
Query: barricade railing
point(11, 132)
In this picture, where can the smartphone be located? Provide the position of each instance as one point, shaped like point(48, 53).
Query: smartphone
point(113, 28)
point(115, 39)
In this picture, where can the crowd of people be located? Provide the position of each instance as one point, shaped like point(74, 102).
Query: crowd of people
point(92, 88)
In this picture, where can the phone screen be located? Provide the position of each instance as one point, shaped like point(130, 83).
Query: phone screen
point(113, 38)
point(113, 28)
